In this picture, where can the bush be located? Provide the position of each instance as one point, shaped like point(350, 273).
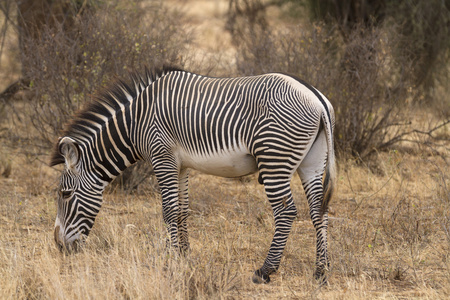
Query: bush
point(424, 37)
point(422, 30)
point(65, 67)
point(357, 76)
point(374, 60)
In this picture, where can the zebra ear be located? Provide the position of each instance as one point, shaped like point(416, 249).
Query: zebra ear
point(70, 150)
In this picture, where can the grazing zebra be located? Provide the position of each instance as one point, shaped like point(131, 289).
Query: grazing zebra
point(176, 120)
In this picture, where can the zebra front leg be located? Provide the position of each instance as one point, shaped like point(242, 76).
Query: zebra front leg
point(284, 211)
point(184, 211)
point(167, 175)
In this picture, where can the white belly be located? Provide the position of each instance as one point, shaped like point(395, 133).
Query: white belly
point(233, 163)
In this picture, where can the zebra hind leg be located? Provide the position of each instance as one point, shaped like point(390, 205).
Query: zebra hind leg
point(285, 212)
point(311, 172)
point(314, 195)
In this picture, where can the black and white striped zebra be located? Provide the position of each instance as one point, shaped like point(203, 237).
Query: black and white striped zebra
point(274, 123)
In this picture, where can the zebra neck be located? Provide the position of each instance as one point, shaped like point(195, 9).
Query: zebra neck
point(110, 149)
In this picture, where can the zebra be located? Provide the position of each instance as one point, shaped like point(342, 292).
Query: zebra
point(274, 124)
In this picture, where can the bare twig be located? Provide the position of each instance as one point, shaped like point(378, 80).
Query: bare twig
point(400, 137)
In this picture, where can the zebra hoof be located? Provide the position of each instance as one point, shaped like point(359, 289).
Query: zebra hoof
point(259, 277)
point(321, 277)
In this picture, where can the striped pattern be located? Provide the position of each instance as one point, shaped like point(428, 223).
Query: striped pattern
point(176, 120)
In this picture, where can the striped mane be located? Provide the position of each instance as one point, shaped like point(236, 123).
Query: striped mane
point(113, 97)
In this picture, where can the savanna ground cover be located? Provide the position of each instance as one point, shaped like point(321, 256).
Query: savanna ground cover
point(389, 232)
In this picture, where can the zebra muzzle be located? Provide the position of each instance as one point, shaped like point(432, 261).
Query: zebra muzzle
point(59, 243)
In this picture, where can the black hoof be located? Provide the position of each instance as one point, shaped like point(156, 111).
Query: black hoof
point(259, 277)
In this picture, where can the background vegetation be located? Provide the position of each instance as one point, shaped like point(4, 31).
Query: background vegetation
point(67, 57)
point(373, 59)
point(384, 66)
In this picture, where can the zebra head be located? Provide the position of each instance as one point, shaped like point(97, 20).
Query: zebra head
point(79, 196)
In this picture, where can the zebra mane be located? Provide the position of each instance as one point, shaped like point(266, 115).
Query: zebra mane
point(113, 97)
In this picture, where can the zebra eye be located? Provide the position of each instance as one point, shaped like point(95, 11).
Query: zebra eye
point(66, 194)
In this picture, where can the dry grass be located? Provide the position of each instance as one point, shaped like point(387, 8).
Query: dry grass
point(389, 238)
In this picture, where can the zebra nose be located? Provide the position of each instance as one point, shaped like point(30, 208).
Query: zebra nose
point(56, 234)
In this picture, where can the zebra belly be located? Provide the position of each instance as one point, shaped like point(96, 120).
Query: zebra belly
point(225, 164)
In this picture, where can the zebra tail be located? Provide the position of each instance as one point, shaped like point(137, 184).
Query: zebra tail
point(329, 176)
